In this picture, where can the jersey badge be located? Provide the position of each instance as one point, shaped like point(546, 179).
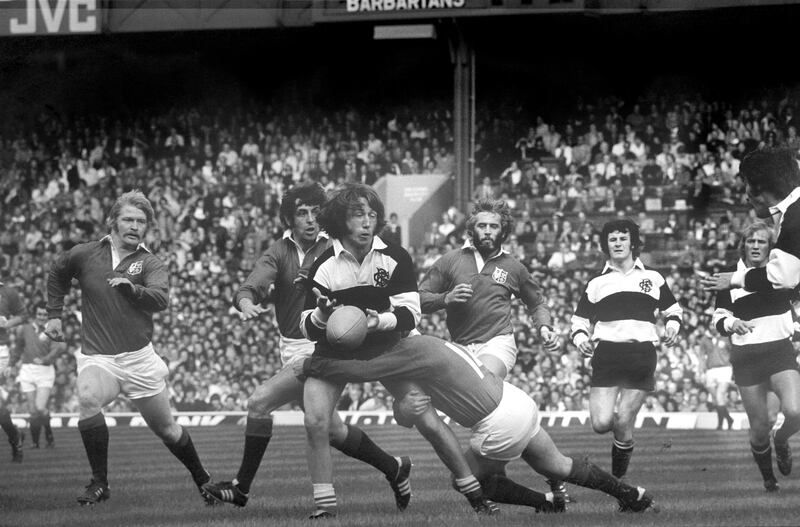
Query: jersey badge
point(646, 285)
point(135, 268)
point(499, 275)
point(381, 277)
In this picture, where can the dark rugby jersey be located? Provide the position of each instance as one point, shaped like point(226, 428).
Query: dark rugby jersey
point(10, 306)
point(770, 311)
point(783, 267)
point(281, 265)
point(487, 313)
point(114, 321)
point(385, 282)
point(457, 383)
point(622, 306)
point(33, 344)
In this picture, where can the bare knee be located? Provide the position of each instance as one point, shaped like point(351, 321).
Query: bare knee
point(317, 424)
point(602, 424)
point(169, 433)
point(260, 404)
point(89, 403)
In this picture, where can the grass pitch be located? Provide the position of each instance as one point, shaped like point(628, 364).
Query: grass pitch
point(697, 477)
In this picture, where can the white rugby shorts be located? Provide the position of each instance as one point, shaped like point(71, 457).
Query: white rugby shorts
point(502, 347)
point(294, 349)
point(503, 434)
point(140, 373)
point(719, 375)
point(33, 376)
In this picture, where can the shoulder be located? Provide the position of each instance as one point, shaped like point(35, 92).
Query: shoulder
point(397, 253)
point(326, 257)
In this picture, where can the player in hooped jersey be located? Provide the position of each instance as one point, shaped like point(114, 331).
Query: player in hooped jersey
point(503, 419)
point(760, 325)
point(620, 303)
point(360, 270)
point(122, 284)
point(12, 314)
point(277, 277)
point(475, 284)
point(37, 375)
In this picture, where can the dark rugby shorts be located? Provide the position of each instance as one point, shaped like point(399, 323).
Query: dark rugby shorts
point(629, 365)
point(750, 369)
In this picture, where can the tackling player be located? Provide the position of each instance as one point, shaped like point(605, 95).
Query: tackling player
point(503, 419)
point(277, 277)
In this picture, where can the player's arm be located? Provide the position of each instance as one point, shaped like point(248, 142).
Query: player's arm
point(433, 289)
point(783, 266)
point(16, 310)
point(673, 314)
point(56, 349)
point(723, 318)
point(531, 295)
point(59, 281)
point(581, 325)
point(258, 286)
point(318, 307)
point(151, 296)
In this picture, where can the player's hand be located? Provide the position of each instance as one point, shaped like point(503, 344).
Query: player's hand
point(372, 319)
point(121, 283)
point(3, 322)
point(53, 330)
point(742, 327)
point(459, 295)
point(550, 339)
point(670, 337)
point(717, 282)
point(414, 403)
point(37, 360)
point(325, 304)
point(249, 310)
point(586, 348)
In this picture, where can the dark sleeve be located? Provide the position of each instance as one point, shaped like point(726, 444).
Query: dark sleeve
point(723, 308)
point(531, 294)
point(404, 295)
point(59, 281)
point(668, 305)
point(256, 286)
point(433, 289)
point(153, 295)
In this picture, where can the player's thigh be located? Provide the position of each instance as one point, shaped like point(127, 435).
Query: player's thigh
point(494, 365)
point(96, 387)
point(319, 399)
point(754, 400)
point(602, 401)
point(280, 389)
point(543, 456)
point(157, 413)
point(630, 401)
point(787, 387)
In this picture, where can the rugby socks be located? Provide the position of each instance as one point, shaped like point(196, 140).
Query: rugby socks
point(257, 434)
point(723, 415)
point(587, 474)
point(621, 453)
point(324, 498)
point(763, 456)
point(94, 434)
point(358, 445)
point(36, 427)
point(8, 427)
point(789, 427)
point(503, 490)
point(468, 486)
point(184, 450)
point(48, 431)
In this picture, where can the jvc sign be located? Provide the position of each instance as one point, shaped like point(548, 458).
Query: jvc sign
point(43, 17)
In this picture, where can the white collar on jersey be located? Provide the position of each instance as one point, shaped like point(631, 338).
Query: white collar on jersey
point(377, 244)
point(637, 264)
point(784, 204)
point(321, 235)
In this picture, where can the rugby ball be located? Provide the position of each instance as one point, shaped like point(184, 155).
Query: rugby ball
point(347, 328)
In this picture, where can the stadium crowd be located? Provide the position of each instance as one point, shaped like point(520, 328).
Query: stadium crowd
point(216, 177)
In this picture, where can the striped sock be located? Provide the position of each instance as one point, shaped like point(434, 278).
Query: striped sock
point(325, 497)
point(620, 457)
point(763, 457)
point(468, 486)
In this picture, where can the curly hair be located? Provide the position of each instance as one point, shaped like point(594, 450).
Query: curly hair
point(772, 170)
point(623, 225)
point(343, 201)
point(306, 194)
point(133, 198)
point(496, 206)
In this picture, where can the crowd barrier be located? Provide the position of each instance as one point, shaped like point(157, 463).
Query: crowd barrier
point(672, 420)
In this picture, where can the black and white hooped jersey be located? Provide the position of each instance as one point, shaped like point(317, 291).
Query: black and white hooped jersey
point(622, 306)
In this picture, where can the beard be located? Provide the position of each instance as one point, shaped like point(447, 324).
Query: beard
point(485, 246)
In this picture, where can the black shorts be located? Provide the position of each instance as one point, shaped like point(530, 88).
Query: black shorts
point(750, 369)
point(629, 365)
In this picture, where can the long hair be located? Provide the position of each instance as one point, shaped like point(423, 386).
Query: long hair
point(772, 170)
point(306, 194)
point(345, 200)
point(754, 227)
point(496, 206)
point(623, 225)
point(133, 198)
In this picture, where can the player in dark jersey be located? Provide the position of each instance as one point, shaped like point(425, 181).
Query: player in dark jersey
point(12, 314)
point(620, 303)
point(122, 284)
point(760, 325)
point(37, 374)
point(277, 277)
point(359, 269)
point(503, 419)
point(476, 283)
